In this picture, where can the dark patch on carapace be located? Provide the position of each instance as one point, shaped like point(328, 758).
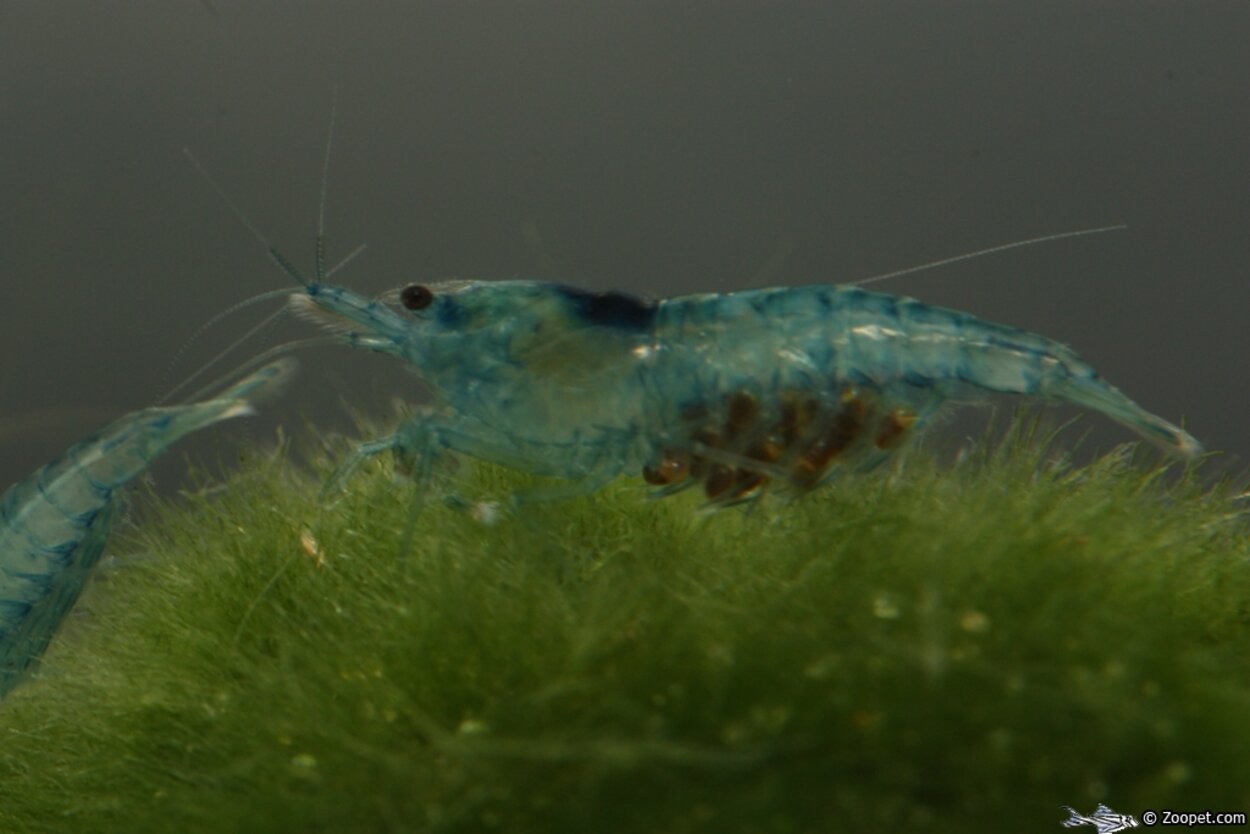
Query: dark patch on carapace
point(610, 309)
point(449, 312)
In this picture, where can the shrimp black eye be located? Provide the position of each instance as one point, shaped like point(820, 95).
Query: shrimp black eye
point(416, 297)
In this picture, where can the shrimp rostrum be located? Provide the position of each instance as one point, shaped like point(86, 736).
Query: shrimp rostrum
point(738, 393)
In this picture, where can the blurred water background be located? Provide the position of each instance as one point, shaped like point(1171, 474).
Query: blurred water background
point(654, 147)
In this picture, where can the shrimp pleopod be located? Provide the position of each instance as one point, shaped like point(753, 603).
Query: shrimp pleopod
point(737, 393)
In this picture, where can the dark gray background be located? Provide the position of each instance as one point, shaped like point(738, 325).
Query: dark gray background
point(658, 147)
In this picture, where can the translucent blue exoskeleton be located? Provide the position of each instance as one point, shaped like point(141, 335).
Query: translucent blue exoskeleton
point(738, 392)
point(53, 525)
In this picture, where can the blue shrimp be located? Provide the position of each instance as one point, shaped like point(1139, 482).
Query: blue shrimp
point(736, 392)
point(53, 524)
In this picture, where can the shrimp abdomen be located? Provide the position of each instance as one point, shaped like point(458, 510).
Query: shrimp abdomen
point(955, 351)
point(831, 337)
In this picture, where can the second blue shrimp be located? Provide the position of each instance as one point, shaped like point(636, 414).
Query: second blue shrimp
point(54, 524)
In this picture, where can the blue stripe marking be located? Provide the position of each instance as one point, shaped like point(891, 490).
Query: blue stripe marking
point(82, 519)
point(13, 611)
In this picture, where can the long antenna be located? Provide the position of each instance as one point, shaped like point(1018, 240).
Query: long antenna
point(203, 369)
point(281, 260)
point(351, 256)
point(202, 329)
point(325, 178)
point(260, 359)
point(1001, 248)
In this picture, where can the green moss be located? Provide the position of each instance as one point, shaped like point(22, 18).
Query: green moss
point(936, 648)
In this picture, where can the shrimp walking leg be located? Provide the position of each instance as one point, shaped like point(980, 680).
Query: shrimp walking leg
point(422, 441)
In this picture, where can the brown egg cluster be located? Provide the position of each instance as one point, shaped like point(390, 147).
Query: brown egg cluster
point(800, 435)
